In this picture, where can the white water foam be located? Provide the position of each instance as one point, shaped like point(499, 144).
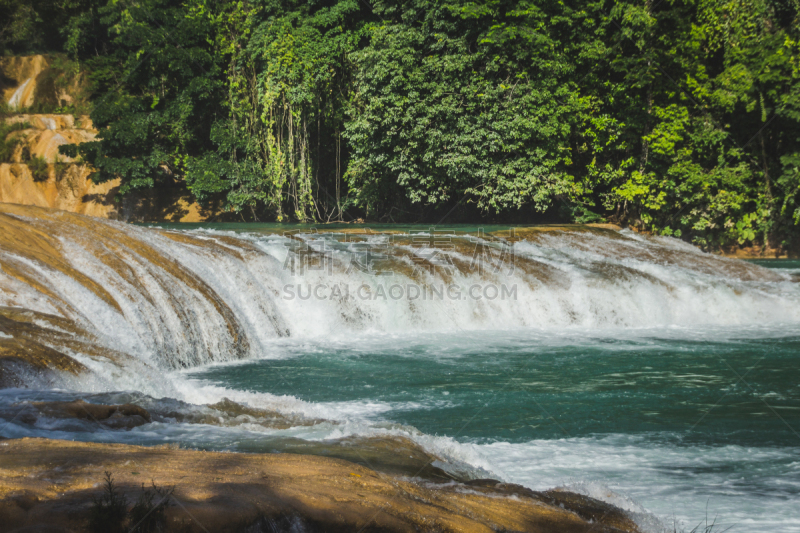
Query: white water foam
point(679, 483)
point(16, 98)
point(168, 323)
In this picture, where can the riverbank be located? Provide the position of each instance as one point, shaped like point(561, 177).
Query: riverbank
point(51, 483)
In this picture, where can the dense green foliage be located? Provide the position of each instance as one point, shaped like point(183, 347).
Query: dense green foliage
point(10, 138)
point(448, 101)
point(680, 117)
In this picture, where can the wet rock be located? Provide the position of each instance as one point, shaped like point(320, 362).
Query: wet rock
point(588, 508)
point(125, 416)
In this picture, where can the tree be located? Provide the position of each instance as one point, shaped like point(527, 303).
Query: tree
point(475, 99)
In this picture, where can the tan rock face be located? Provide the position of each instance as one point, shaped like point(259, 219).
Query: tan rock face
point(44, 142)
point(68, 188)
point(24, 71)
point(52, 122)
point(64, 183)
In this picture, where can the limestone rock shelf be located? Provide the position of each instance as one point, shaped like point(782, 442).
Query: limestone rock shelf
point(48, 485)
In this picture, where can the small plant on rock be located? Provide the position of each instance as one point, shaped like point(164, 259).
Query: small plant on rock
point(110, 510)
point(148, 515)
point(39, 168)
point(10, 138)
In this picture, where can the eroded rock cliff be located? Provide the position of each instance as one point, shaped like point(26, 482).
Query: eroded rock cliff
point(35, 173)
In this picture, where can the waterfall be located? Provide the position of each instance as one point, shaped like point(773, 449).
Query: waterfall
point(173, 299)
point(16, 99)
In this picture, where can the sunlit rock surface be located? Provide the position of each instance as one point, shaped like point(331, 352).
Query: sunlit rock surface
point(64, 183)
point(224, 492)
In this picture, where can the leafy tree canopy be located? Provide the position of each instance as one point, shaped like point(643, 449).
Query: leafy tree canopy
point(679, 117)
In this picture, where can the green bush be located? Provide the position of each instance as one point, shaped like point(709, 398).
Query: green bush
point(39, 168)
point(8, 140)
point(61, 169)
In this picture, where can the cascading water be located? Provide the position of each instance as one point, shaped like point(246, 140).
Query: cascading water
point(351, 334)
point(16, 98)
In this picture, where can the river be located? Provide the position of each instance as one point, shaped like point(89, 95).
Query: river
point(634, 369)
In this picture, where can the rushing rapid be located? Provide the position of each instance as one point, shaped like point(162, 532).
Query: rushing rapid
point(585, 356)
